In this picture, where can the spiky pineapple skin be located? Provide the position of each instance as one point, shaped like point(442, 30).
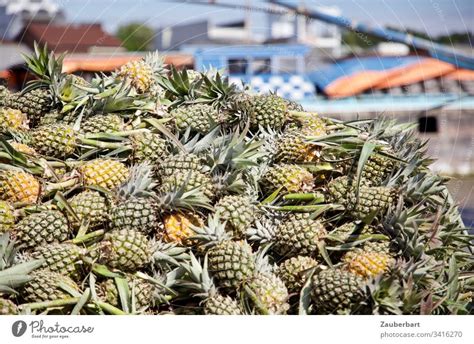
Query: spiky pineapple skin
point(7, 216)
point(106, 173)
point(231, 263)
point(239, 211)
point(293, 148)
point(17, 186)
point(271, 292)
point(7, 307)
point(335, 290)
point(367, 264)
point(376, 169)
point(63, 258)
point(46, 286)
point(57, 140)
point(291, 178)
point(91, 206)
point(48, 226)
point(298, 235)
point(138, 73)
point(267, 111)
point(34, 103)
point(189, 181)
point(144, 290)
point(23, 148)
point(12, 120)
point(199, 117)
point(221, 305)
point(181, 162)
point(293, 271)
point(177, 227)
point(108, 123)
point(126, 250)
point(134, 214)
point(148, 147)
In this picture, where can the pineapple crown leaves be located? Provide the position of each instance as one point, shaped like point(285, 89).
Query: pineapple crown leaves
point(197, 277)
point(198, 144)
point(168, 253)
point(212, 233)
point(139, 184)
point(179, 88)
point(156, 62)
point(217, 89)
point(384, 295)
point(263, 231)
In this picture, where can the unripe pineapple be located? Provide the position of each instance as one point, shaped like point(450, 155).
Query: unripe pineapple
point(134, 214)
point(298, 235)
point(182, 162)
point(199, 117)
point(108, 123)
point(313, 126)
point(238, 211)
point(35, 103)
point(7, 217)
point(270, 292)
point(189, 181)
point(143, 291)
point(291, 178)
point(63, 258)
point(335, 290)
point(367, 264)
point(293, 272)
point(177, 227)
point(4, 94)
point(231, 263)
point(148, 147)
point(7, 307)
point(49, 226)
point(221, 305)
point(17, 186)
point(126, 250)
point(293, 148)
point(267, 111)
point(47, 285)
point(23, 148)
point(138, 73)
point(12, 120)
point(57, 140)
point(50, 118)
point(376, 169)
point(106, 173)
point(91, 206)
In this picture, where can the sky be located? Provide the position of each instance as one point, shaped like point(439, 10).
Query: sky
point(435, 17)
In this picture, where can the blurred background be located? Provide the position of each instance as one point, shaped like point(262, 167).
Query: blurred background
point(408, 59)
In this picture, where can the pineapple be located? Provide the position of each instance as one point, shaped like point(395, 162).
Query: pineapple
point(149, 147)
point(57, 140)
point(291, 178)
point(18, 187)
point(23, 148)
point(293, 272)
point(199, 117)
point(271, 293)
point(4, 94)
point(106, 173)
point(34, 103)
point(367, 264)
point(143, 292)
point(7, 307)
point(91, 206)
point(108, 123)
point(293, 148)
point(138, 73)
point(313, 126)
point(181, 162)
point(293, 106)
point(298, 235)
point(7, 217)
point(12, 120)
point(126, 250)
point(189, 181)
point(48, 286)
point(335, 290)
point(176, 227)
point(266, 111)
point(238, 211)
point(221, 305)
point(376, 169)
point(49, 226)
point(63, 258)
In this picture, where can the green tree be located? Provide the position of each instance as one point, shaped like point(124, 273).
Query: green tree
point(136, 36)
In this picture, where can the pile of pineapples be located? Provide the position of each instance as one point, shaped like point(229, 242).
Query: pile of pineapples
point(156, 191)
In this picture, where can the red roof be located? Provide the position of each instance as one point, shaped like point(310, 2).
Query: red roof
point(70, 37)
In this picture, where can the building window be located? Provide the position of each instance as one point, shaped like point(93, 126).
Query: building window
point(428, 124)
point(238, 66)
point(287, 65)
point(261, 66)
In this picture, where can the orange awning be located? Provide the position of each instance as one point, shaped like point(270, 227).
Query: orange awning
point(461, 74)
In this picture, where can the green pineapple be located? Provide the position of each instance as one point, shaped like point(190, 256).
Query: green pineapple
point(376, 169)
point(271, 293)
point(293, 148)
point(57, 140)
point(47, 285)
point(34, 103)
point(199, 117)
point(126, 250)
point(238, 211)
point(291, 178)
point(91, 206)
point(335, 290)
point(266, 111)
point(4, 94)
point(7, 307)
point(149, 147)
point(294, 271)
point(108, 123)
point(49, 226)
point(7, 217)
point(63, 258)
point(181, 162)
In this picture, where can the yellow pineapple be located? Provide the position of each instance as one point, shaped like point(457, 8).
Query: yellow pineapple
point(367, 263)
point(177, 227)
point(18, 187)
point(106, 173)
point(139, 73)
